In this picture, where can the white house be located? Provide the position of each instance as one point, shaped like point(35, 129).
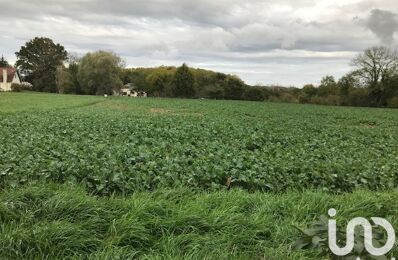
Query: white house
point(9, 76)
point(129, 90)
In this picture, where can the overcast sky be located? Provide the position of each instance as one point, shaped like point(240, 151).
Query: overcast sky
point(289, 42)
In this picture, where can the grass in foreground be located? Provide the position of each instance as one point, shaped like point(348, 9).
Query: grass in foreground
point(49, 221)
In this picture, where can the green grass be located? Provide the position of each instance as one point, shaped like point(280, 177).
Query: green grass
point(120, 178)
point(61, 222)
point(31, 101)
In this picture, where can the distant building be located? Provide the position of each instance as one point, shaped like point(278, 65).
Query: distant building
point(9, 76)
point(130, 91)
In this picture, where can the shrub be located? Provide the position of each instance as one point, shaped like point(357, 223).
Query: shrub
point(26, 86)
point(333, 100)
point(303, 98)
point(288, 98)
point(358, 97)
point(213, 91)
point(234, 88)
point(16, 87)
point(253, 94)
point(393, 102)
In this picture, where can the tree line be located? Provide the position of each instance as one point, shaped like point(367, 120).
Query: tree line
point(373, 82)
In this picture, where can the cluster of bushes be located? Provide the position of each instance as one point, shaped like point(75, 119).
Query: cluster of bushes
point(199, 83)
point(186, 82)
point(340, 93)
point(15, 87)
point(374, 82)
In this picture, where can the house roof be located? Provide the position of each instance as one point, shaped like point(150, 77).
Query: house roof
point(10, 74)
point(130, 86)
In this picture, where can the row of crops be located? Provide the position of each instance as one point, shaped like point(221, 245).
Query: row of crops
point(127, 145)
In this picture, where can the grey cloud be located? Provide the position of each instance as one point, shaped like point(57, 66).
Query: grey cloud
point(383, 24)
point(285, 41)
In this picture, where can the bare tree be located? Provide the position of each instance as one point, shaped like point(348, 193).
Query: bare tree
point(375, 63)
point(374, 66)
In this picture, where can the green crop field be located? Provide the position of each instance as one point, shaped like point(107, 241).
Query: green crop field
point(85, 177)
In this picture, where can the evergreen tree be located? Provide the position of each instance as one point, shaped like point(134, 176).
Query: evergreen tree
point(3, 62)
point(234, 88)
point(42, 56)
point(184, 82)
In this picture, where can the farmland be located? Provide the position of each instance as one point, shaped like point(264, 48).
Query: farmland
point(94, 177)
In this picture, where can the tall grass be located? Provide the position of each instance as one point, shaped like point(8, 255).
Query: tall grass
point(49, 221)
